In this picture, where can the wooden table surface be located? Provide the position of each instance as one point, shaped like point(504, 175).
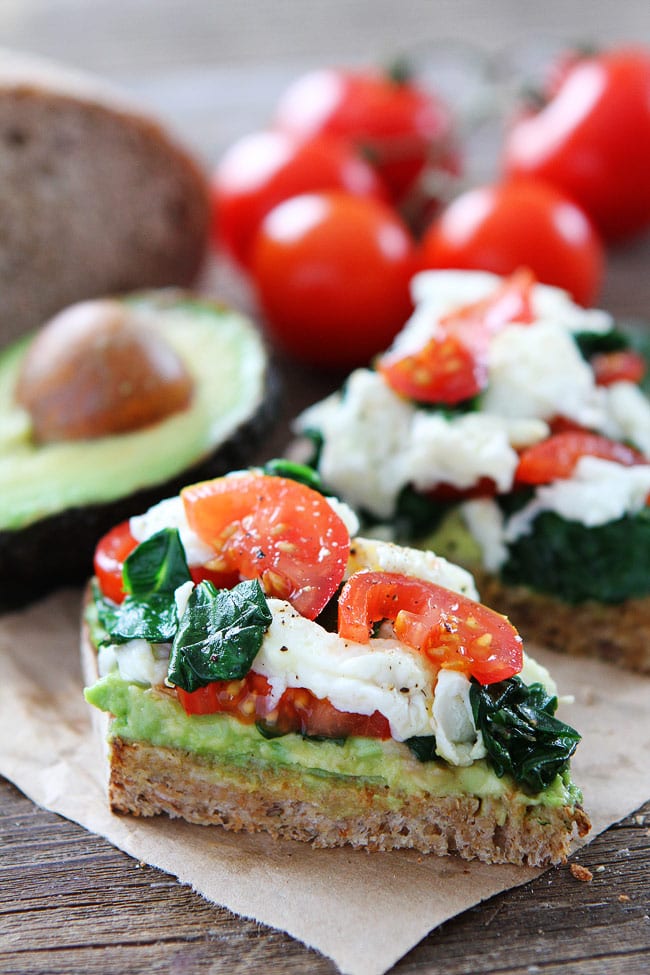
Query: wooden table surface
point(69, 902)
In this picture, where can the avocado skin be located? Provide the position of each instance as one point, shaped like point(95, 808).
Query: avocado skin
point(58, 550)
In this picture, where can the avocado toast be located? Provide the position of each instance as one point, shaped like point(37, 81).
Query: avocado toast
point(76, 483)
point(508, 429)
point(264, 668)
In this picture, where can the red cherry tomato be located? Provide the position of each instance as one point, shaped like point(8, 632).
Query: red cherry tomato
point(592, 140)
point(399, 126)
point(263, 169)
point(332, 274)
point(110, 555)
point(297, 710)
point(625, 365)
point(114, 548)
point(520, 223)
point(274, 529)
point(452, 366)
point(556, 457)
point(451, 630)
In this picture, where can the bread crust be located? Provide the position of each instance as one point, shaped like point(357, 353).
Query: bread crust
point(618, 632)
point(97, 197)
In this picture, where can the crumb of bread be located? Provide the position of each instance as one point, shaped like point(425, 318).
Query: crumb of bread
point(581, 873)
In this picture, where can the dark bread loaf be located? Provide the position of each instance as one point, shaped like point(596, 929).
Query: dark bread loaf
point(95, 197)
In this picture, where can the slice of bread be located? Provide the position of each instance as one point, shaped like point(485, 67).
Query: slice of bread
point(96, 197)
point(146, 780)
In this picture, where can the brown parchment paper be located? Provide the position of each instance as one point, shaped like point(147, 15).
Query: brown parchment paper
point(363, 911)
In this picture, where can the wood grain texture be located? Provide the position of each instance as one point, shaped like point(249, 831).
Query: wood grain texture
point(69, 902)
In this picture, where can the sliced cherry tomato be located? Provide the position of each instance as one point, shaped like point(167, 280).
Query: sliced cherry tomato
point(283, 533)
point(263, 169)
point(451, 630)
point(485, 487)
point(404, 129)
point(444, 371)
point(624, 365)
point(297, 710)
point(245, 698)
point(592, 140)
point(518, 223)
point(332, 274)
point(110, 554)
point(452, 366)
point(555, 458)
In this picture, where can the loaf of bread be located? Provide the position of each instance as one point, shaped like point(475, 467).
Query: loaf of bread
point(95, 196)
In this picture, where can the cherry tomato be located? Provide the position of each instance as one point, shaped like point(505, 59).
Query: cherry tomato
point(274, 529)
point(450, 629)
point(403, 129)
point(110, 554)
point(332, 275)
point(452, 366)
point(624, 365)
point(556, 457)
point(263, 169)
point(297, 710)
point(519, 223)
point(592, 140)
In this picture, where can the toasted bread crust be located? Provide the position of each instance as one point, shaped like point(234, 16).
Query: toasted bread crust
point(618, 633)
point(146, 780)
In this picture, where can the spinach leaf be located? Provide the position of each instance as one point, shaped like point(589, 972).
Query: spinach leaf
point(423, 747)
point(416, 515)
point(154, 619)
point(157, 565)
point(594, 343)
point(609, 563)
point(219, 634)
point(520, 732)
point(302, 473)
point(152, 573)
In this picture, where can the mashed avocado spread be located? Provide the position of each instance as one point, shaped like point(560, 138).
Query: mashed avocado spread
point(151, 715)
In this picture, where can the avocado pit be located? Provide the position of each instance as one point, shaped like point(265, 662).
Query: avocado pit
point(97, 369)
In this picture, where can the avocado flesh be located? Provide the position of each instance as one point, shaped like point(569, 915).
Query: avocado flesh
point(452, 540)
point(147, 714)
point(56, 500)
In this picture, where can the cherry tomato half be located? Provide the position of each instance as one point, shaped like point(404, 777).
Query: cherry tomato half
point(592, 140)
point(297, 710)
point(332, 275)
point(400, 127)
point(623, 365)
point(452, 366)
point(556, 457)
point(521, 223)
point(263, 169)
point(274, 529)
point(450, 629)
point(110, 555)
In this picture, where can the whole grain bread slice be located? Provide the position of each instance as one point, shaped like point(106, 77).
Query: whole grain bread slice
point(96, 197)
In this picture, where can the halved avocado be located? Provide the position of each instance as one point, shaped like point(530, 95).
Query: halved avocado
point(58, 499)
